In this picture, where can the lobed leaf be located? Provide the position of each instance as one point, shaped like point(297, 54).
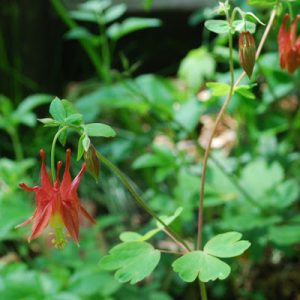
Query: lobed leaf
point(133, 261)
point(202, 265)
point(226, 245)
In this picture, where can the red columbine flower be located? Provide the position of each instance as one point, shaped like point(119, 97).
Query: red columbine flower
point(247, 51)
point(57, 204)
point(289, 45)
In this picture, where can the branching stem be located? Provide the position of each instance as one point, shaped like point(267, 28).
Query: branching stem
point(179, 241)
point(219, 117)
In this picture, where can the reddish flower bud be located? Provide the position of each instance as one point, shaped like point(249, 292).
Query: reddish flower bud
point(289, 45)
point(247, 52)
point(92, 162)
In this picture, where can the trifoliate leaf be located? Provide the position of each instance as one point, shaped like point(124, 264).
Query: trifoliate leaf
point(199, 264)
point(133, 261)
point(226, 245)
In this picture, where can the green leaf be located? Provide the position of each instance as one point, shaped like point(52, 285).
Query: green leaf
point(63, 136)
point(69, 107)
point(33, 101)
point(74, 119)
point(79, 33)
point(199, 264)
point(217, 26)
point(114, 12)
point(130, 236)
point(239, 25)
point(129, 25)
point(262, 3)
point(86, 143)
point(245, 91)
point(197, 66)
point(161, 157)
point(99, 129)
point(49, 122)
point(86, 16)
point(133, 236)
point(226, 245)
point(169, 219)
point(189, 113)
point(218, 88)
point(95, 6)
point(251, 14)
point(148, 160)
point(133, 261)
point(258, 177)
point(285, 235)
point(57, 110)
point(80, 150)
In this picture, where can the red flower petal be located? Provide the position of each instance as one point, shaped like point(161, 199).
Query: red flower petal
point(71, 220)
point(41, 222)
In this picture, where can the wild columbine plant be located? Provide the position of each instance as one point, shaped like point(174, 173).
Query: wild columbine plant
point(135, 257)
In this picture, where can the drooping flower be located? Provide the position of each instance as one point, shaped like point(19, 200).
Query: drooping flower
point(247, 51)
point(289, 45)
point(57, 204)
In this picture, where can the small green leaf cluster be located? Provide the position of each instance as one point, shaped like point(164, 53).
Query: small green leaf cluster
point(231, 24)
point(65, 116)
point(222, 89)
point(107, 15)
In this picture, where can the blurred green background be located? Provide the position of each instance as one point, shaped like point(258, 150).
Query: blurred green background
point(141, 67)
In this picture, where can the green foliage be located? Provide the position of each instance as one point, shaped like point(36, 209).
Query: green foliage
point(262, 3)
point(133, 261)
point(98, 129)
point(222, 26)
point(252, 181)
point(129, 25)
point(11, 119)
point(226, 245)
point(204, 264)
point(197, 66)
point(218, 88)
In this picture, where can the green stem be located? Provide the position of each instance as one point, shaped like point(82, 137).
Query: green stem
point(53, 151)
point(290, 8)
point(91, 52)
point(202, 290)
point(222, 111)
point(141, 202)
point(16, 144)
point(208, 148)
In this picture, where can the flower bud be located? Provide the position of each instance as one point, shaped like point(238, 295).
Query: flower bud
point(92, 162)
point(247, 52)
